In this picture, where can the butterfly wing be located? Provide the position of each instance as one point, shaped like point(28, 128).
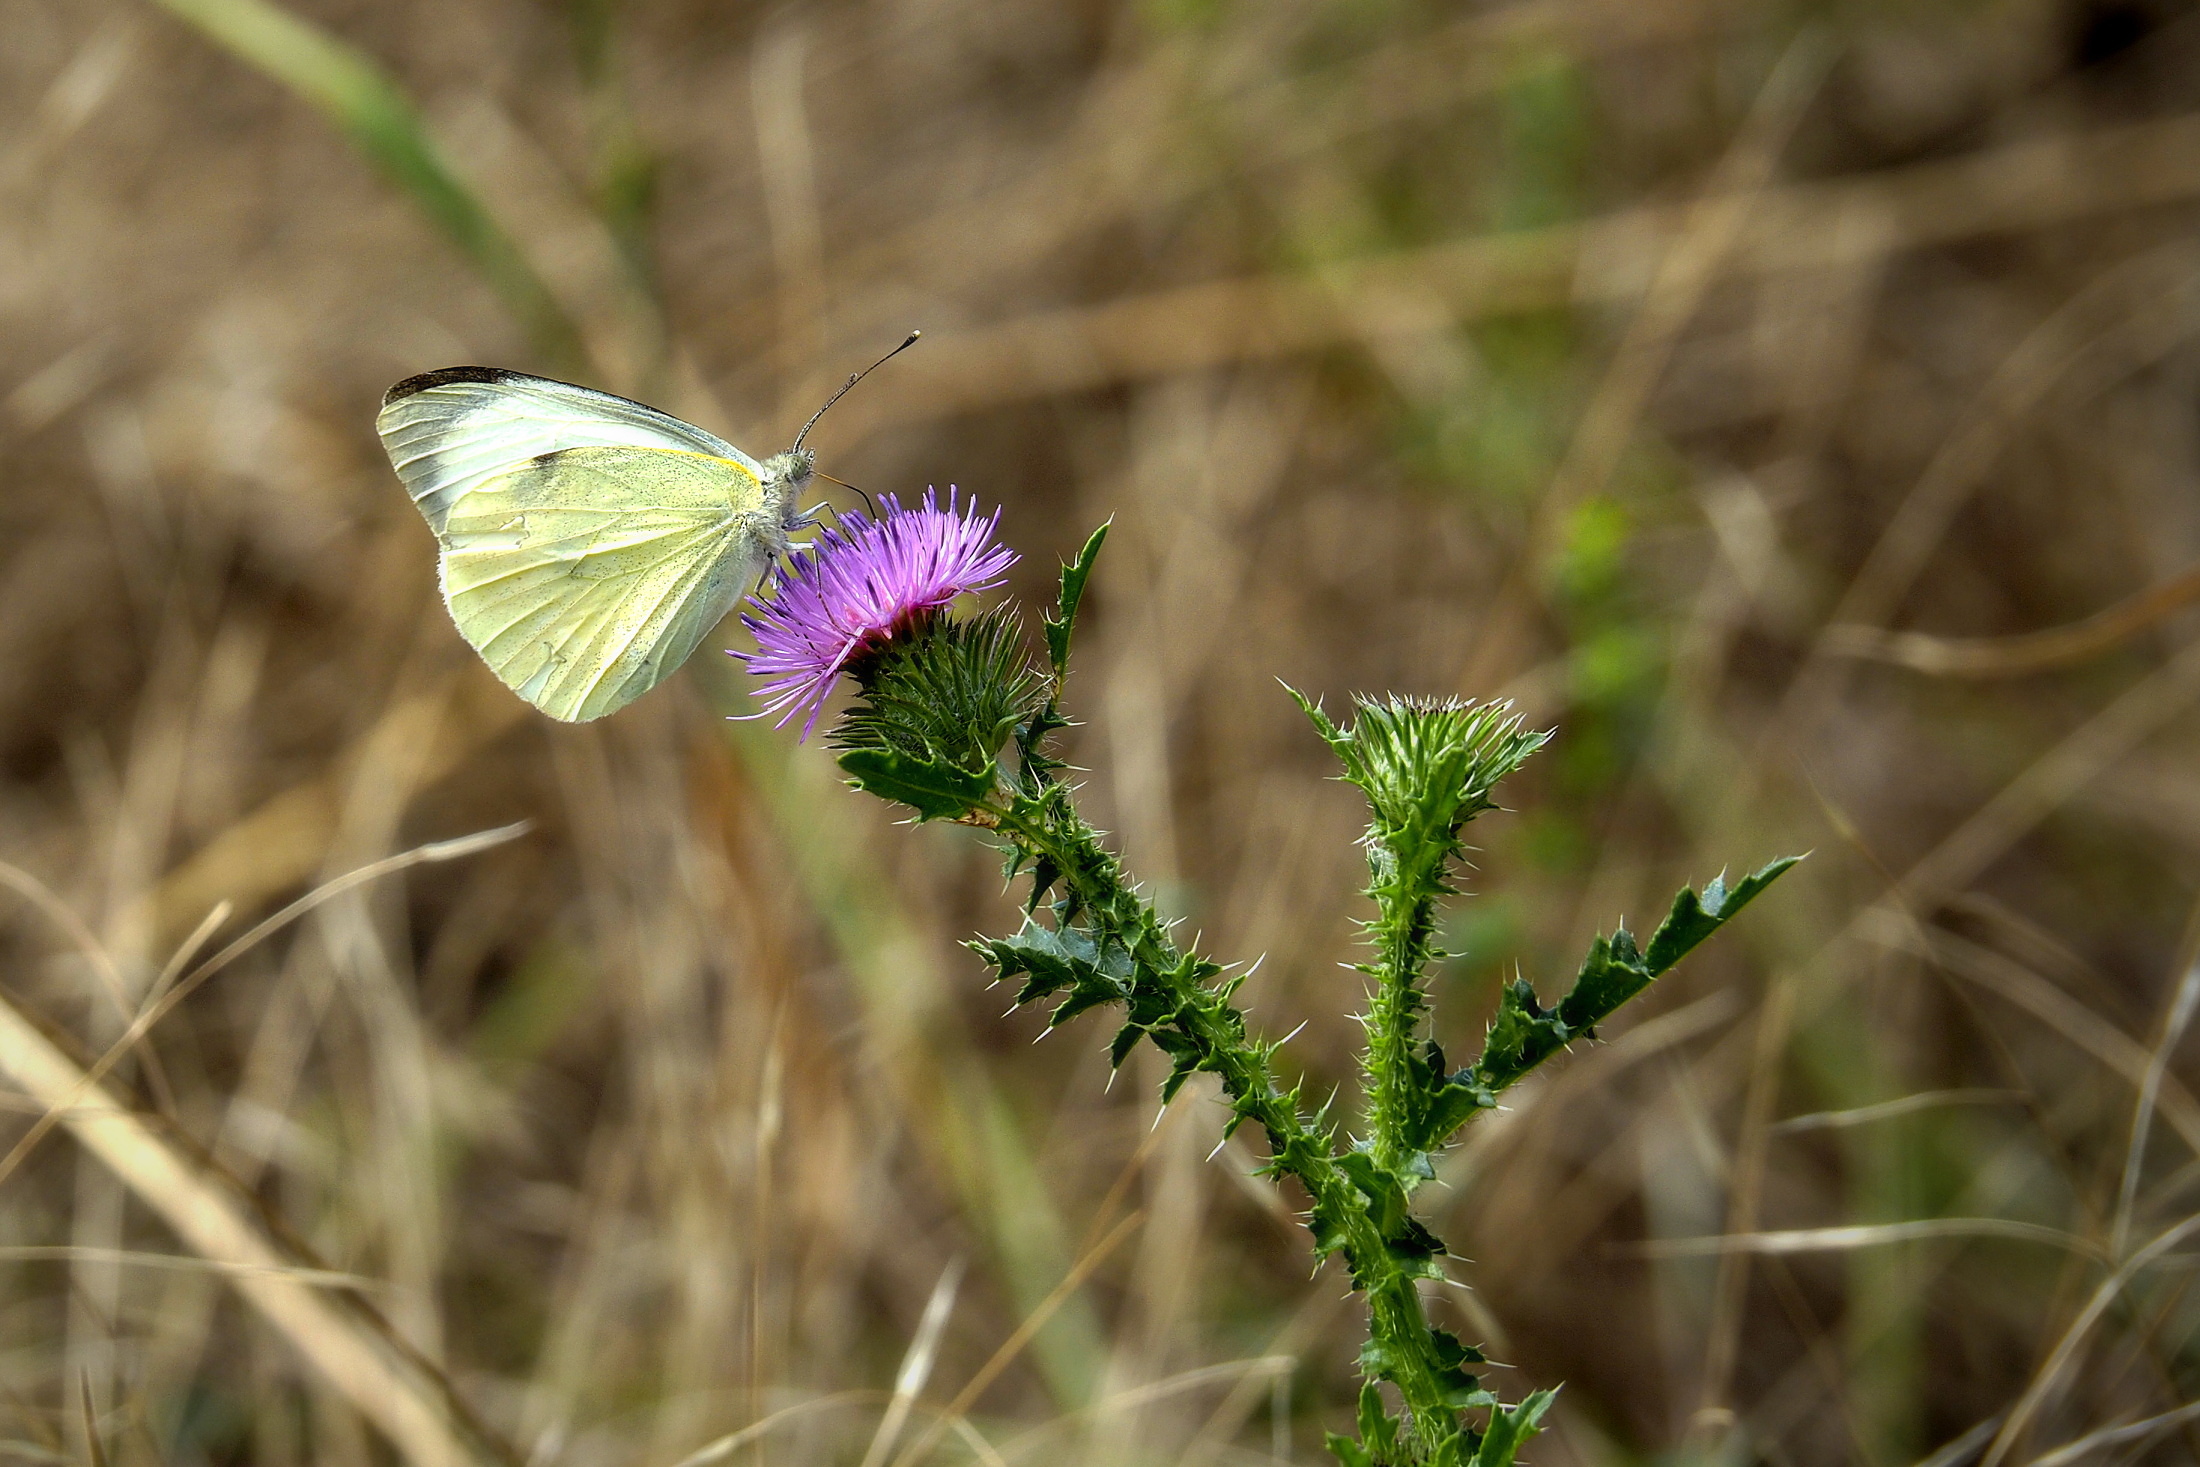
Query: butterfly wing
point(451, 431)
point(583, 570)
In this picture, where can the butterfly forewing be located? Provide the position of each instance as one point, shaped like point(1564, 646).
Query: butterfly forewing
point(448, 432)
point(588, 543)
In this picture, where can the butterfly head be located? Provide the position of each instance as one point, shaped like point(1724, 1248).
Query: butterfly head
point(786, 475)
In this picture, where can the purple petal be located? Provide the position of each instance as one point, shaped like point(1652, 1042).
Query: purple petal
point(860, 583)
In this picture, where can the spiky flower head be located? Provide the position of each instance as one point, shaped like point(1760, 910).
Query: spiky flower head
point(859, 586)
point(1427, 766)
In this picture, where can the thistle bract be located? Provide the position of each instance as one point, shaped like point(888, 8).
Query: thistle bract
point(862, 584)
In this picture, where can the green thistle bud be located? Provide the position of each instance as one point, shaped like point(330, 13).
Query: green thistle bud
point(1427, 767)
point(938, 703)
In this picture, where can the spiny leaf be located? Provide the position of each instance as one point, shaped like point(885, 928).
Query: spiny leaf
point(1378, 1428)
point(1441, 1104)
point(1338, 740)
point(1611, 974)
point(1451, 1350)
point(934, 789)
point(1381, 1360)
point(1462, 1390)
point(1522, 1034)
point(1409, 1245)
point(1089, 971)
point(1510, 1428)
point(1120, 1047)
point(1695, 918)
point(1616, 971)
point(1061, 623)
point(1348, 1452)
point(1044, 874)
point(1386, 1199)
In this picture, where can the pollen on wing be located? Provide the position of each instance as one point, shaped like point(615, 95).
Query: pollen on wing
point(860, 583)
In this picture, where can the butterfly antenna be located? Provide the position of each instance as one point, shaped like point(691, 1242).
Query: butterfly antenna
point(907, 342)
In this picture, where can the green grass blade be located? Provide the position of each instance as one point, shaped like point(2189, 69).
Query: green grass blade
point(354, 93)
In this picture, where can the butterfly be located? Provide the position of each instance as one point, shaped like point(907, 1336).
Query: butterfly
point(587, 544)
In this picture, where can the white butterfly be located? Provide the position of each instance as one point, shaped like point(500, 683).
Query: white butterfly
point(588, 543)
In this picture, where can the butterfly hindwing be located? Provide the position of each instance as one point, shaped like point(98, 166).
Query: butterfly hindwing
point(585, 576)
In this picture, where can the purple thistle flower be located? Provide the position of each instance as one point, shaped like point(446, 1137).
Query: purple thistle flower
point(862, 583)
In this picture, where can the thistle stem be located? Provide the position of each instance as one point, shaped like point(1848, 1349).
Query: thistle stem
point(1404, 933)
point(1306, 1148)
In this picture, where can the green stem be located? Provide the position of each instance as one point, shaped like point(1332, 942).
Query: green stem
point(1404, 933)
point(1398, 1326)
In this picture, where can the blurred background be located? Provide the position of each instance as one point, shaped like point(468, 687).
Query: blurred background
point(1793, 403)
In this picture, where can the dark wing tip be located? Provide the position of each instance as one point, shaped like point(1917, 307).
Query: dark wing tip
point(443, 376)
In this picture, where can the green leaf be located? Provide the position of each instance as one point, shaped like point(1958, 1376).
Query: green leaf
point(1510, 1428)
point(1338, 740)
point(1120, 1047)
point(1613, 973)
point(1064, 960)
point(1386, 1198)
point(1328, 1233)
point(1062, 622)
point(1347, 1451)
point(1523, 1034)
point(1378, 1428)
point(1380, 1360)
point(1186, 1056)
point(1441, 1104)
point(1412, 1247)
point(1455, 1450)
point(1453, 1351)
point(935, 790)
point(1695, 918)
point(1044, 875)
point(1462, 1390)
point(1615, 970)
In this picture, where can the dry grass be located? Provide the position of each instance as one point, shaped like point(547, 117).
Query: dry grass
point(1803, 418)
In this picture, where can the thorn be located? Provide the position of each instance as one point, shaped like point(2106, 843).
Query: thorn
point(1286, 1039)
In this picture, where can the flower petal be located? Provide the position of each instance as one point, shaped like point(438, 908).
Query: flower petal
point(856, 586)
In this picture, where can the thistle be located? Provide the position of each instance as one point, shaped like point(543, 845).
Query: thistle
point(864, 584)
point(955, 722)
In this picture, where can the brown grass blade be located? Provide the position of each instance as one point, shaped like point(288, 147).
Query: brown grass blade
point(208, 1220)
point(1988, 657)
point(1796, 227)
point(157, 1009)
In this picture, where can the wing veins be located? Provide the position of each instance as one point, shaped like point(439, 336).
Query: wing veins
point(638, 574)
point(521, 570)
point(605, 665)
